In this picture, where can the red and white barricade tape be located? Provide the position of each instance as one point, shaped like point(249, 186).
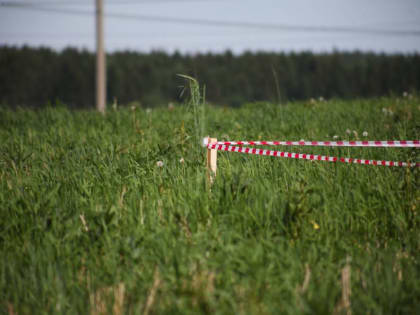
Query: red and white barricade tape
point(402, 144)
point(222, 147)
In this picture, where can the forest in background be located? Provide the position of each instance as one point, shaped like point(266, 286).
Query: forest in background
point(35, 77)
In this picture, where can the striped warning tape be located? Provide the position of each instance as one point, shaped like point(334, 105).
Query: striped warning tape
point(403, 143)
point(313, 157)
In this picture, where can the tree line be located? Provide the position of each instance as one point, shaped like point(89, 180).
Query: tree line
point(38, 76)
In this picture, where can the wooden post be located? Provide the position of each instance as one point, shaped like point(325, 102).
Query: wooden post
point(100, 59)
point(211, 161)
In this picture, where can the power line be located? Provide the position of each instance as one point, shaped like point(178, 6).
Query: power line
point(265, 26)
point(87, 3)
point(55, 10)
point(229, 24)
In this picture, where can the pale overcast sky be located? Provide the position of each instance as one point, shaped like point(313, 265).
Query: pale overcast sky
point(268, 25)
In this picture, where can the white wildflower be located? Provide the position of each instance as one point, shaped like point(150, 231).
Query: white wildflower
point(148, 110)
point(365, 133)
point(171, 106)
point(335, 137)
point(348, 131)
point(133, 108)
point(321, 99)
point(159, 164)
point(181, 160)
point(387, 111)
point(405, 94)
point(355, 133)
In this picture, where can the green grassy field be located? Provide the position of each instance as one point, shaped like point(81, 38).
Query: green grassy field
point(89, 223)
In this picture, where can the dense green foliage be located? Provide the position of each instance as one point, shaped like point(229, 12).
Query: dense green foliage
point(34, 77)
point(90, 222)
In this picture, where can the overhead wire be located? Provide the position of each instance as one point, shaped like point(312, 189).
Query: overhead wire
point(264, 26)
point(229, 24)
point(92, 3)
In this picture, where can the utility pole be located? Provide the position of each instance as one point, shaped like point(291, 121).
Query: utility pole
point(100, 59)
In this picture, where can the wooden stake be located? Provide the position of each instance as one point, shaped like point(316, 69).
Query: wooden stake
point(211, 161)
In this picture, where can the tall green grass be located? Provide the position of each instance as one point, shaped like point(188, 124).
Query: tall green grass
point(89, 223)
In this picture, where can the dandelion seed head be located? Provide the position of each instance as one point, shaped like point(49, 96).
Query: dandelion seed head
point(365, 133)
point(159, 164)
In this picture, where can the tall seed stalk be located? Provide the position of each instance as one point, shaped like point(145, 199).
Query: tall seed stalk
point(196, 106)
